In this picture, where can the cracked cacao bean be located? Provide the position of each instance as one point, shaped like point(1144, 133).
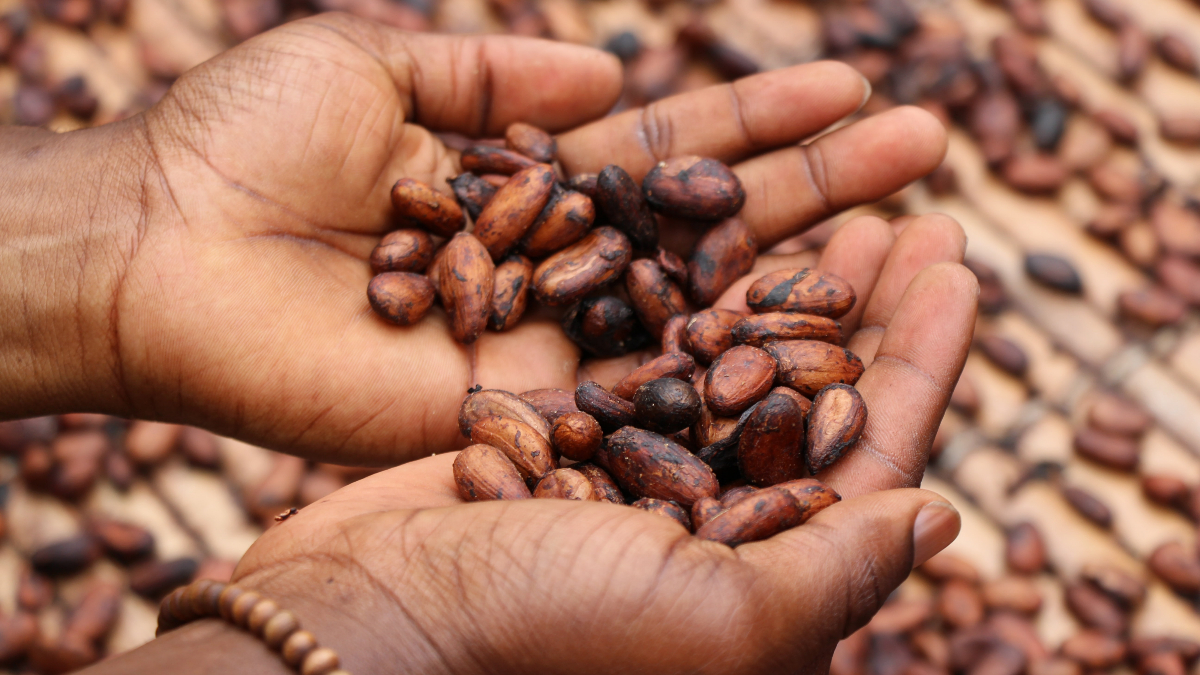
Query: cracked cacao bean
point(472, 192)
point(722, 256)
point(758, 516)
point(654, 296)
point(610, 410)
point(565, 484)
point(665, 508)
point(710, 333)
point(498, 403)
point(603, 485)
point(801, 290)
point(551, 403)
point(513, 209)
point(576, 435)
point(838, 418)
point(704, 510)
point(666, 405)
point(620, 200)
point(809, 366)
point(482, 472)
point(401, 298)
point(605, 326)
point(407, 250)
point(577, 270)
point(510, 289)
point(527, 449)
point(466, 283)
point(694, 188)
point(674, 364)
point(771, 450)
point(530, 141)
point(419, 205)
point(737, 379)
point(485, 159)
point(566, 219)
point(646, 464)
point(759, 329)
point(674, 337)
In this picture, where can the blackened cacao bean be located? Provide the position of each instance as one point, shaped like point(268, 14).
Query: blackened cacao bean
point(672, 364)
point(605, 326)
point(610, 410)
point(666, 405)
point(620, 200)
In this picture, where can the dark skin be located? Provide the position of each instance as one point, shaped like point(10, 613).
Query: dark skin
point(205, 263)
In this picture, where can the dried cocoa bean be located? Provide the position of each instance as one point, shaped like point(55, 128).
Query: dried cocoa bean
point(759, 329)
point(758, 516)
point(96, 613)
point(710, 428)
point(1004, 353)
point(605, 326)
point(620, 200)
point(674, 338)
point(838, 418)
point(610, 410)
point(771, 450)
point(666, 405)
point(401, 298)
point(898, 617)
point(585, 183)
point(419, 205)
point(1118, 452)
point(566, 219)
point(801, 290)
point(1088, 506)
point(704, 510)
point(434, 271)
point(510, 289)
point(1035, 173)
point(573, 272)
point(992, 297)
point(721, 454)
point(1121, 586)
point(736, 494)
point(551, 403)
point(524, 446)
point(1024, 551)
point(1093, 649)
point(710, 333)
point(960, 604)
point(1122, 129)
point(722, 256)
point(1094, 609)
point(77, 457)
point(1118, 415)
point(466, 278)
point(531, 142)
point(1141, 647)
point(66, 556)
point(513, 208)
point(1175, 50)
point(945, 566)
point(1013, 593)
point(124, 542)
point(1181, 277)
point(646, 464)
point(994, 119)
point(495, 402)
point(1153, 305)
point(812, 495)
point(1177, 566)
point(576, 436)
point(482, 472)
point(673, 364)
point(407, 250)
point(603, 485)
point(1166, 490)
point(200, 448)
point(565, 484)
point(17, 634)
point(485, 159)
point(1162, 663)
point(673, 265)
point(804, 404)
point(737, 379)
point(694, 188)
point(1133, 49)
point(34, 592)
point(808, 366)
point(1177, 227)
point(146, 443)
point(154, 579)
point(655, 297)
point(472, 192)
point(1053, 271)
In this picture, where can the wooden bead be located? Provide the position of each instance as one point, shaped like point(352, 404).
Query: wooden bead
point(297, 646)
point(320, 661)
point(242, 607)
point(279, 628)
point(226, 600)
point(260, 615)
point(206, 602)
point(192, 594)
point(177, 608)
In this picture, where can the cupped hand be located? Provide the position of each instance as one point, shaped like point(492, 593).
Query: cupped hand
point(242, 307)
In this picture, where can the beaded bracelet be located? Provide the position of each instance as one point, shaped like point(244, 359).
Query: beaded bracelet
point(250, 611)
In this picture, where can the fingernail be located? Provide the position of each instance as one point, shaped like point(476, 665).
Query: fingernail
point(936, 526)
point(867, 89)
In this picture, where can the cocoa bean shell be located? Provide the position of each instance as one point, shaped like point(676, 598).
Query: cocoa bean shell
point(472, 192)
point(513, 209)
point(466, 282)
point(1115, 451)
point(585, 183)
point(666, 405)
point(838, 418)
point(577, 270)
point(759, 329)
point(812, 495)
point(419, 205)
point(564, 220)
point(527, 449)
point(400, 298)
point(758, 516)
point(809, 366)
point(694, 188)
point(674, 337)
point(801, 290)
point(1053, 271)
point(1024, 550)
point(654, 296)
point(620, 200)
point(704, 510)
point(737, 379)
point(530, 141)
point(674, 365)
point(710, 333)
point(485, 159)
point(576, 436)
point(551, 403)
point(604, 326)
point(407, 250)
point(565, 484)
point(722, 256)
point(665, 508)
point(482, 473)
point(610, 410)
point(510, 290)
point(603, 485)
point(495, 402)
point(646, 464)
point(673, 265)
point(771, 448)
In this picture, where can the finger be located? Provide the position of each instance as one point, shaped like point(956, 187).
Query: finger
point(907, 387)
point(727, 121)
point(790, 189)
point(846, 560)
point(856, 252)
point(928, 240)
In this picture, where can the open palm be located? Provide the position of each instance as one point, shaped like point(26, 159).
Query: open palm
point(243, 308)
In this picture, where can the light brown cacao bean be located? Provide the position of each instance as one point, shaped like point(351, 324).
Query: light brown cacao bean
point(837, 419)
point(809, 366)
point(579, 269)
point(710, 333)
point(704, 510)
point(664, 508)
point(400, 298)
point(654, 296)
point(566, 219)
point(510, 289)
point(737, 379)
point(758, 516)
point(495, 402)
point(419, 205)
point(1024, 550)
point(512, 210)
point(565, 484)
point(466, 279)
point(576, 435)
point(551, 403)
point(759, 329)
point(482, 472)
point(674, 337)
point(527, 449)
point(530, 141)
point(605, 488)
point(407, 250)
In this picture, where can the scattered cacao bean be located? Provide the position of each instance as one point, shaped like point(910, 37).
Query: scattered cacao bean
point(960, 604)
point(1177, 566)
point(487, 159)
point(1118, 452)
point(1094, 609)
point(419, 205)
point(124, 542)
point(1012, 593)
point(66, 556)
point(1166, 490)
point(1093, 649)
point(154, 579)
point(401, 298)
point(801, 290)
point(1088, 506)
point(1004, 353)
point(1121, 586)
point(737, 379)
point(1153, 305)
point(1053, 271)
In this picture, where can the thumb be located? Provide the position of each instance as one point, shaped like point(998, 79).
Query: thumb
point(847, 560)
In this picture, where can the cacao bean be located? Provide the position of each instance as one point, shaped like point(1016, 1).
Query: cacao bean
point(737, 379)
point(146, 443)
point(674, 338)
point(17, 634)
point(1177, 227)
point(666, 405)
point(1094, 609)
point(1088, 506)
point(576, 436)
point(1141, 647)
point(155, 578)
point(801, 290)
point(1177, 566)
point(992, 297)
point(1133, 49)
point(673, 265)
point(710, 428)
point(565, 484)
point(838, 418)
point(771, 450)
point(710, 333)
point(201, 448)
point(466, 278)
point(722, 256)
point(485, 159)
point(759, 329)
point(646, 464)
point(401, 298)
point(665, 508)
point(482, 472)
point(605, 326)
point(96, 613)
point(994, 119)
point(812, 495)
point(898, 617)
point(1181, 277)
point(577, 270)
point(407, 250)
point(472, 192)
point(620, 200)
point(1166, 490)
point(808, 366)
point(1004, 353)
point(610, 410)
point(551, 403)
point(960, 604)
point(1121, 586)
point(66, 556)
point(1035, 173)
point(510, 289)
point(673, 364)
point(933, 645)
point(704, 510)
point(736, 494)
point(804, 404)
point(34, 592)
point(1122, 129)
point(603, 485)
point(585, 183)
point(1093, 649)
point(1162, 663)
point(513, 208)
point(1153, 305)
point(566, 219)
point(945, 566)
point(758, 516)
point(524, 446)
point(1118, 415)
point(1118, 452)
point(1012, 593)
point(1053, 271)
point(694, 188)
point(1019, 632)
point(654, 296)
point(419, 205)
point(495, 402)
point(124, 542)
point(1175, 50)
point(1024, 550)
point(531, 142)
